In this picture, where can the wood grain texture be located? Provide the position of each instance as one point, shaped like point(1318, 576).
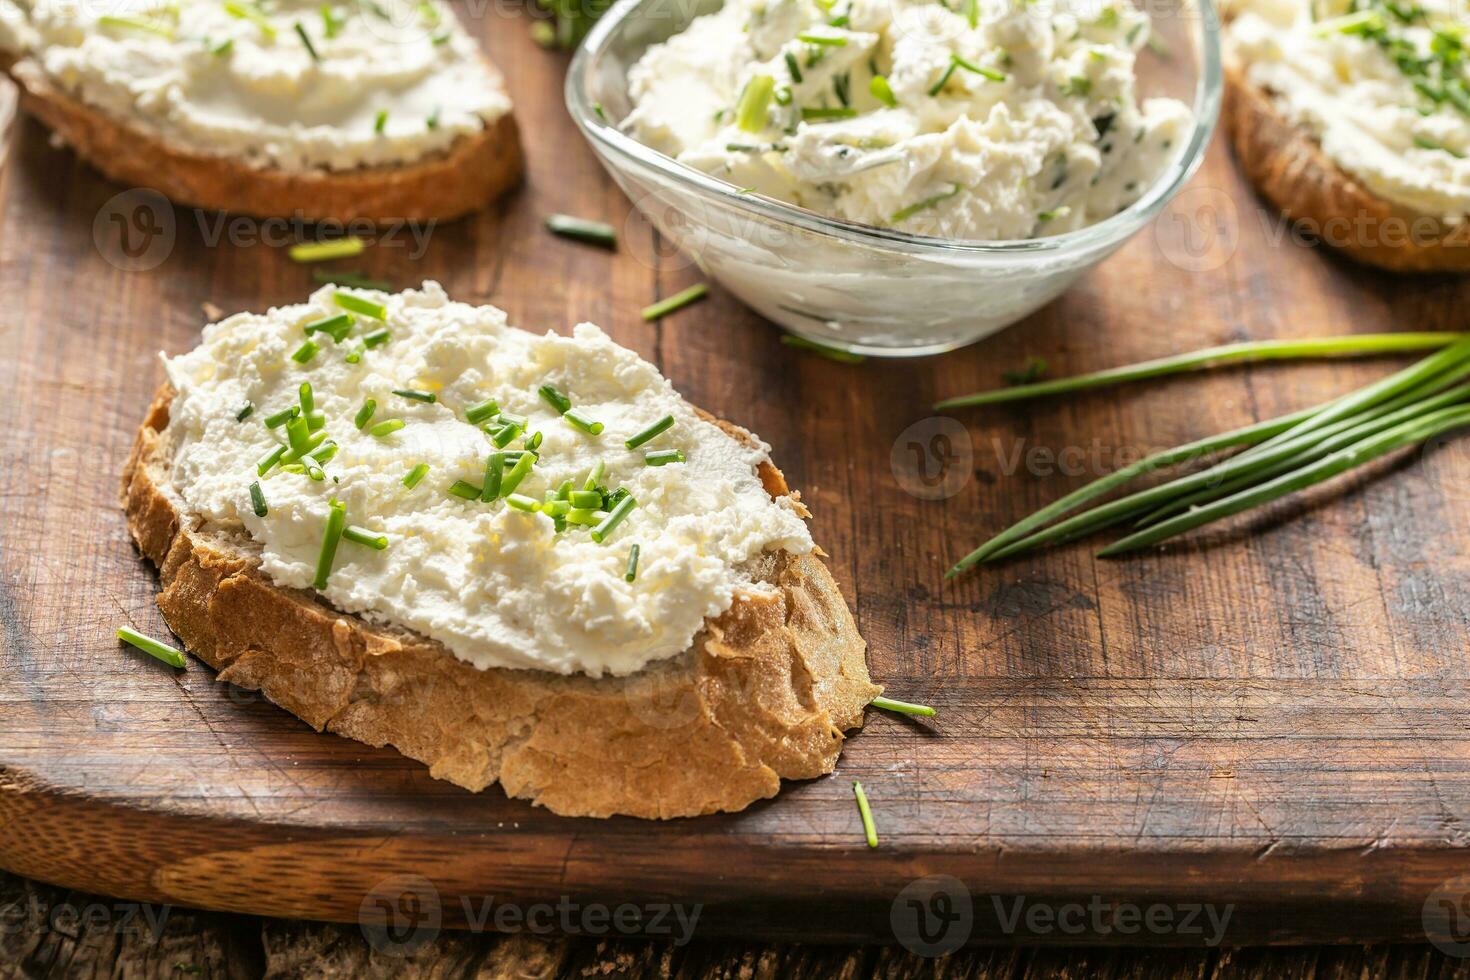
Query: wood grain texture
point(1270, 715)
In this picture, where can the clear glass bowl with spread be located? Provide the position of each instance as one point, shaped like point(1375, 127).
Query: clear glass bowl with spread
point(859, 288)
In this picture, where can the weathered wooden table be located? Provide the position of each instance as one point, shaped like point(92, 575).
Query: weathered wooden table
point(1270, 716)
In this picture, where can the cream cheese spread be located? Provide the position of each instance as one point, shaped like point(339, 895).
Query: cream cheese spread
point(1382, 87)
point(294, 85)
point(498, 586)
point(976, 119)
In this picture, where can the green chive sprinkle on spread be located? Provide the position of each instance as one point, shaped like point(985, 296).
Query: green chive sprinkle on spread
point(494, 472)
point(518, 472)
point(257, 500)
point(583, 516)
point(150, 646)
point(581, 422)
point(825, 40)
point(754, 100)
point(305, 352)
point(359, 305)
point(594, 477)
point(415, 394)
point(663, 457)
point(818, 115)
point(903, 707)
point(135, 24)
point(365, 414)
point(337, 248)
point(476, 414)
point(555, 398)
point(315, 472)
point(879, 88)
point(381, 122)
point(503, 435)
point(586, 498)
point(662, 425)
point(386, 427)
point(326, 453)
point(252, 13)
point(556, 508)
point(337, 327)
point(306, 40)
point(792, 68)
point(632, 571)
point(675, 302)
point(415, 475)
point(362, 536)
point(468, 491)
point(522, 503)
point(331, 535)
point(970, 66)
point(376, 339)
point(822, 350)
point(297, 434)
point(534, 443)
point(223, 48)
point(245, 411)
point(308, 400)
point(268, 460)
point(903, 214)
point(611, 521)
point(315, 420)
point(519, 421)
point(582, 230)
point(869, 831)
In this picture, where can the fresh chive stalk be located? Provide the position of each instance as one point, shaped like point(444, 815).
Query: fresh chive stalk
point(257, 500)
point(362, 536)
point(619, 513)
point(582, 423)
point(494, 474)
point(870, 832)
point(268, 460)
point(245, 411)
point(903, 707)
point(307, 398)
point(356, 304)
point(755, 99)
point(337, 248)
point(521, 502)
point(331, 536)
point(416, 475)
point(476, 414)
point(365, 414)
point(516, 474)
point(414, 394)
point(386, 427)
point(582, 230)
point(879, 88)
point(376, 339)
point(311, 50)
point(462, 488)
point(675, 302)
point(150, 646)
point(646, 435)
point(632, 572)
point(306, 352)
point(337, 327)
point(278, 419)
point(663, 457)
point(590, 499)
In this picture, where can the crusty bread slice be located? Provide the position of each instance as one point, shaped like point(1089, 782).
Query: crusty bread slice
point(764, 693)
point(1287, 165)
point(473, 172)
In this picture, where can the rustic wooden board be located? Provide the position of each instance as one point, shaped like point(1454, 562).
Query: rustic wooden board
point(1271, 715)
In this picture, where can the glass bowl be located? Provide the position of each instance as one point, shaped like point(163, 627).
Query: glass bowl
point(859, 288)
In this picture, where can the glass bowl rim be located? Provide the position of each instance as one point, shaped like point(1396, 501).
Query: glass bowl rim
point(598, 130)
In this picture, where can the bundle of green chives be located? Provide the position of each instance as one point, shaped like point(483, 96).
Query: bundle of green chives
point(1276, 457)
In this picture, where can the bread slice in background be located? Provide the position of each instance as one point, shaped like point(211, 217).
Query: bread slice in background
point(1289, 168)
point(764, 694)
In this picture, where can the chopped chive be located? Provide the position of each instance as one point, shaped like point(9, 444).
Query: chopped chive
point(361, 535)
point(943, 79)
point(433, 121)
point(386, 427)
point(825, 40)
point(135, 24)
point(822, 350)
point(554, 397)
point(675, 302)
point(476, 414)
point(365, 414)
point(521, 502)
point(869, 831)
point(755, 99)
point(504, 434)
point(315, 420)
point(662, 457)
point(257, 500)
point(534, 443)
point(376, 339)
point(306, 40)
point(331, 535)
point(632, 571)
point(903, 214)
point(879, 88)
point(582, 230)
point(245, 411)
point(582, 423)
point(308, 400)
point(249, 11)
point(305, 446)
point(792, 68)
point(415, 475)
point(583, 516)
point(612, 520)
point(337, 327)
point(594, 477)
point(518, 472)
point(662, 425)
point(297, 434)
point(970, 66)
point(352, 280)
point(380, 122)
point(150, 646)
point(223, 48)
point(468, 491)
point(268, 460)
point(305, 352)
point(1054, 214)
point(809, 113)
point(589, 499)
point(337, 248)
point(494, 472)
point(326, 453)
point(903, 707)
point(556, 508)
point(315, 472)
point(415, 394)
point(359, 305)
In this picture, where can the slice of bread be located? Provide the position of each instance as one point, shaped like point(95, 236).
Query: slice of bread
point(764, 693)
point(1288, 167)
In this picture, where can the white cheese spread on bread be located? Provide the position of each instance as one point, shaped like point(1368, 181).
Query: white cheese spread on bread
point(1382, 87)
point(500, 583)
point(976, 120)
point(295, 85)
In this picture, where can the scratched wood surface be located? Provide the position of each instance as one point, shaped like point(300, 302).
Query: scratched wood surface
point(1270, 716)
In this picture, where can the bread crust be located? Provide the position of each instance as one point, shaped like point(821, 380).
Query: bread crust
point(764, 693)
point(473, 172)
point(1289, 168)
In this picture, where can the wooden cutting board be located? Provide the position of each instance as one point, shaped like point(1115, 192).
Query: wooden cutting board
point(1271, 716)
